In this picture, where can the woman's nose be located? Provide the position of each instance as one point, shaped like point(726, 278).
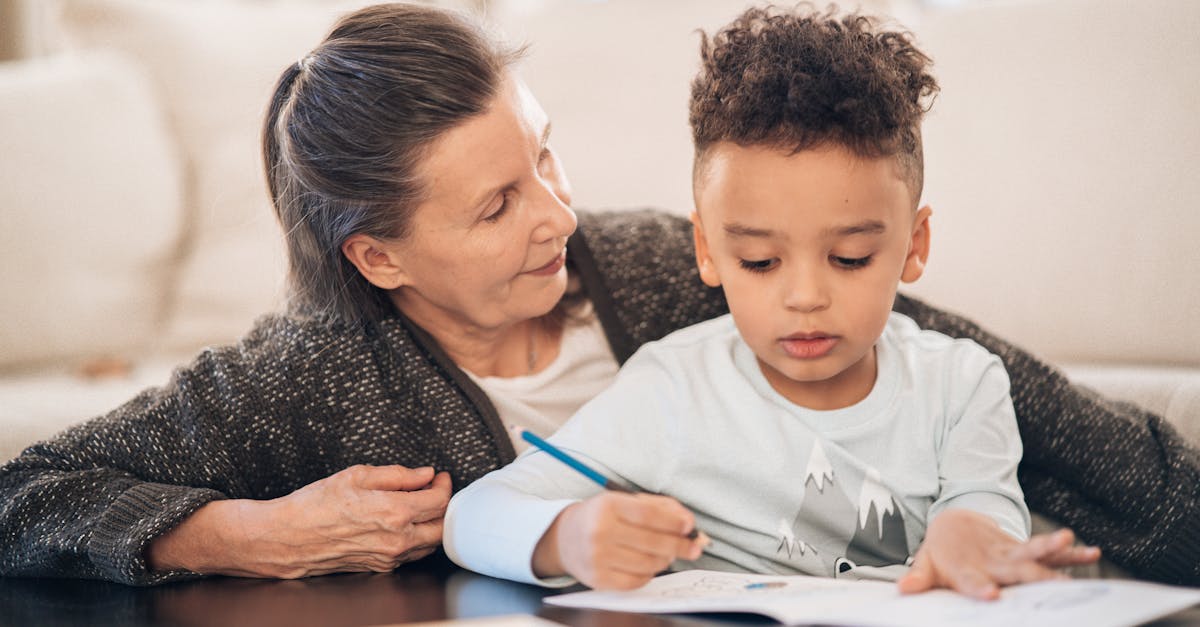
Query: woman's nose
point(556, 219)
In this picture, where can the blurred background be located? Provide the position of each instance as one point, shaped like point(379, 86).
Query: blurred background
point(134, 227)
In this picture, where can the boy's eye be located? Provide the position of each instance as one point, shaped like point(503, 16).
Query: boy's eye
point(851, 263)
point(758, 265)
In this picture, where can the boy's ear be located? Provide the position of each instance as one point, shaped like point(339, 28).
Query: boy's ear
point(708, 272)
point(374, 261)
point(918, 247)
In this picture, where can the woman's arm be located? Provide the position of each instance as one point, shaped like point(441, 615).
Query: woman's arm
point(227, 470)
point(1122, 478)
point(364, 518)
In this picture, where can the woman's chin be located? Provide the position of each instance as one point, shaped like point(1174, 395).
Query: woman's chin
point(549, 297)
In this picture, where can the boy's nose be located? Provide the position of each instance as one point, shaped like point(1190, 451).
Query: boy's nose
point(806, 292)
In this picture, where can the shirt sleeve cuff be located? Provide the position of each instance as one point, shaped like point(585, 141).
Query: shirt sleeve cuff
point(509, 555)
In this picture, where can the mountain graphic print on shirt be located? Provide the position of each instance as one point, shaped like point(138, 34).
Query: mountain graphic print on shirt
point(862, 538)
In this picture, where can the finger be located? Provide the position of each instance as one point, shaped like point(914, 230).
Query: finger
point(418, 506)
point(634, 562)
point(919, 578)
point(1023, 571)
point(392, 477)
point(973, 583)
point(427, 533)
point(414, 555)
point(668, 546)
point(1071, 556)
point(1043, 544)
point(610, 579)
point(659, 513)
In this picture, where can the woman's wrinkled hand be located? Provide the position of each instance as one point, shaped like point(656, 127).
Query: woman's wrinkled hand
point(969, 553)
point(618, 541)
point(363, 518)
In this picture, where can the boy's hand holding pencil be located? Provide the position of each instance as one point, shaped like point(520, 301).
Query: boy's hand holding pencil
point(619, 539)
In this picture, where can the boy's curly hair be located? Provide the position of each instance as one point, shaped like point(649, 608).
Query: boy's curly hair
point(801, 79)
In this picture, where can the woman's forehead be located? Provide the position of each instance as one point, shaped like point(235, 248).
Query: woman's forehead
point(488, 151)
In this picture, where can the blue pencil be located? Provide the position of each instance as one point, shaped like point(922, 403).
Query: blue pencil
point(605, 482)
point(558, 454)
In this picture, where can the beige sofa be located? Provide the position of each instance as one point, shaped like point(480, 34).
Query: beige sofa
point(134, 227)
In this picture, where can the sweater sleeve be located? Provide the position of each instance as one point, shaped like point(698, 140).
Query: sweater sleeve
point(88, 502)
point(1121, 477)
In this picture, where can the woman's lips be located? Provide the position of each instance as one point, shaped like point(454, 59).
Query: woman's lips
point(552, 267)
point(808, 346)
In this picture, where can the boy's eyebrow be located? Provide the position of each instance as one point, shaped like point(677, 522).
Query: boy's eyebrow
point(741, 230)
point(869, 227)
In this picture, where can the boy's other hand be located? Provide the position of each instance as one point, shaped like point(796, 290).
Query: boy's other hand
point(617, 541)
point(969, 553)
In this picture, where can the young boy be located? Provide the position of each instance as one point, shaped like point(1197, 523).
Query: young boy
point(812, 430)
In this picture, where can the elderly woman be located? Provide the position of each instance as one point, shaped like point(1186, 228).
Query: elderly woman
point(441, 287)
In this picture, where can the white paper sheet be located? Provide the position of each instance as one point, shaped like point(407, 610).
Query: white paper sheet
point(813, 600)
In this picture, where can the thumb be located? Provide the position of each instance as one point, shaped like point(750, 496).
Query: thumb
point(919, 578)
point(396, 478)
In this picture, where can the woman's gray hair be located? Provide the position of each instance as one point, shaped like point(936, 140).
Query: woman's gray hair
point(348, 126)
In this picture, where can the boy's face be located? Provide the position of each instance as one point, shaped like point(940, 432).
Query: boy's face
point(809, 248)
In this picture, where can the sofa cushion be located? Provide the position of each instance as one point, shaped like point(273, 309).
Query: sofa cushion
point(89, 209)
point(214, 65)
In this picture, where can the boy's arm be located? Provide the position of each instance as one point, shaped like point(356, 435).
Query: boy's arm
point(978, 534)
point(1120, 476)
point(494, 525)
point(982, 447)
point(538, 505)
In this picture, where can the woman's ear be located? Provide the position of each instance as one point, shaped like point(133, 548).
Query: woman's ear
point(374, 261)
point(918, 247)
point(708, 272)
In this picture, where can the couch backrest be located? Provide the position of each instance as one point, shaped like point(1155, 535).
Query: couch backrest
point(1058, 159)
point(1062, 163)
point(90, 209)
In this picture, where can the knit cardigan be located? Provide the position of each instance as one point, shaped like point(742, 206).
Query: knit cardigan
point(300, 398)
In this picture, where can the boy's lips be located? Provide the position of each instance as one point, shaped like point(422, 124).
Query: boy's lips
point(551, 267)
point(808, 345)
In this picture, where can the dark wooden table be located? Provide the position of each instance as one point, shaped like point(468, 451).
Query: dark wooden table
point(432, 590)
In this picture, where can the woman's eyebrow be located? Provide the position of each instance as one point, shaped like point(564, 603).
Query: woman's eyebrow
point(492, 191)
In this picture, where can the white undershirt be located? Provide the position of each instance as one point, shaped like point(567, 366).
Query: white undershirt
point(543, 401)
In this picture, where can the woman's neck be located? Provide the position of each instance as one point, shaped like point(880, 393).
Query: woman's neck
point(513, 350)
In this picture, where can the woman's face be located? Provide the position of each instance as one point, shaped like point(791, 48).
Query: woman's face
point(486, 247)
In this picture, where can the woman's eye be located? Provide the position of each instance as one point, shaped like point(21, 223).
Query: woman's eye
point(851, 263)
point(544, 161)
point(495, 215)
point(762, 265)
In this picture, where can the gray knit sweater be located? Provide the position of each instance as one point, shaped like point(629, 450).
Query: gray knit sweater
point(301, 398)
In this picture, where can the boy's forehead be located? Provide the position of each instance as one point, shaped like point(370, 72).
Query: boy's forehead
point(734, 179)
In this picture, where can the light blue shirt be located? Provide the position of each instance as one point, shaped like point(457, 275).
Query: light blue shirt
point(778, 487)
